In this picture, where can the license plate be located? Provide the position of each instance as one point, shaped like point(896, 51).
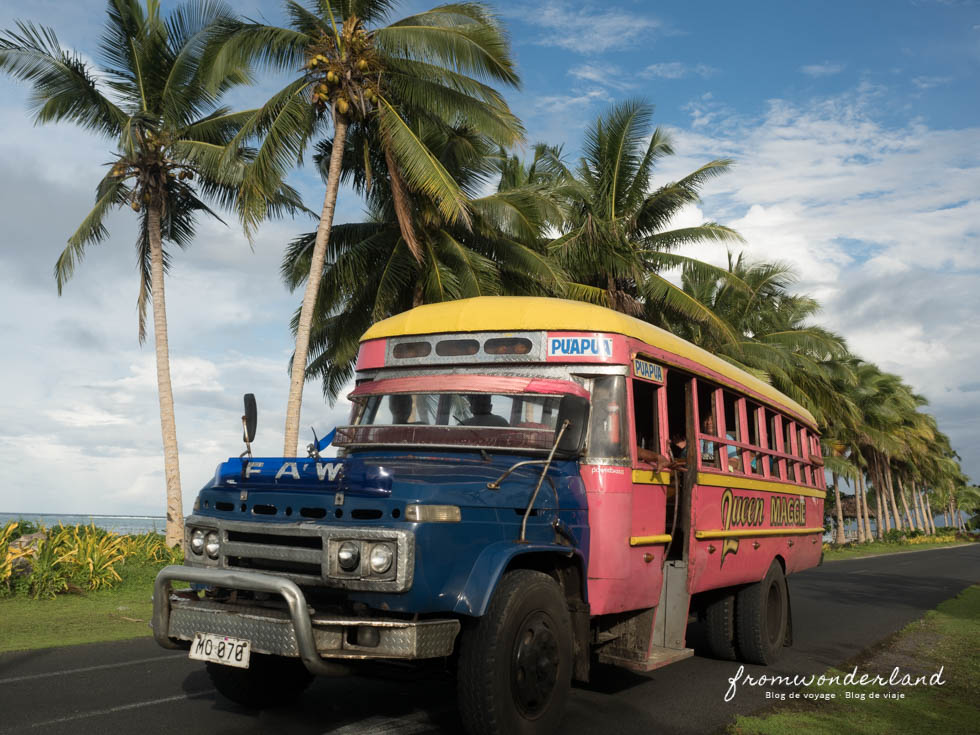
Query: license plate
point(221, 649)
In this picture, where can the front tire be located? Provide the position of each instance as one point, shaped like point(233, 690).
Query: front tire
point(268, 681)
point(515, 662)
point(762, 617)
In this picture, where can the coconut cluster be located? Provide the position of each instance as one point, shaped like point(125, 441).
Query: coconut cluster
point(344, 71)
point(151, 167)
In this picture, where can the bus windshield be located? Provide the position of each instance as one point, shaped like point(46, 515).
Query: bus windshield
point(453, 419)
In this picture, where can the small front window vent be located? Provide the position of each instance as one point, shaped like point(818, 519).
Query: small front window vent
point(457, 347)
point(407, 350)
point(507, 346)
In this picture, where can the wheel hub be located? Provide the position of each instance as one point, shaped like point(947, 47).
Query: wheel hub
point(534, 664)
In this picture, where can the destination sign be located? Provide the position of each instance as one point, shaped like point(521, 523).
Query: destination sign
point(648, 370)
point(580, 346)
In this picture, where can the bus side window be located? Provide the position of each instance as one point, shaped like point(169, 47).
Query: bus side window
point(645, 410)
point(756, 459)
point(775, 443)
point(733, 432)
point(708, 424)
point(609, 430)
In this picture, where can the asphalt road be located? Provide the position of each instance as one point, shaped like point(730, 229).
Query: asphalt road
point(839, 610)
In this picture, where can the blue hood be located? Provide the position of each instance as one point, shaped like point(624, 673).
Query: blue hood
point(452, 478)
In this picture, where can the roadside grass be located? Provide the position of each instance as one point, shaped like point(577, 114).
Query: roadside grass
point(946, 638)
point(878, 548)
point(83, 617)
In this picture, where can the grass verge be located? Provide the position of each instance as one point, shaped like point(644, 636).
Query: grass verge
point(946, 639)
point(878, 548)
point(105, 615)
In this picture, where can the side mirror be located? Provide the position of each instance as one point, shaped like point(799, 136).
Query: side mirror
point(250, 418)
point(575, 409)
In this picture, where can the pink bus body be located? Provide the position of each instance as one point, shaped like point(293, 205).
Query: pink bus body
point(764, 505)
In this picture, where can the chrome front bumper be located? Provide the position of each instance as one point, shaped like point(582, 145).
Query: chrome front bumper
point(322, 642)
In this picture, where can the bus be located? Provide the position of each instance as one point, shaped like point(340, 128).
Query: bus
point(526, 485)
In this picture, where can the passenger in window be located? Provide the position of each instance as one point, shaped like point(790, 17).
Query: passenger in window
point(708, 448)
point(678, 446)
point(481, 406)
point(401, 407)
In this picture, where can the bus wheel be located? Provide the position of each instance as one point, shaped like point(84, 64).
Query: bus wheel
point(761, 617)
point(515, 662)
point(719, 625)
point(267, 682)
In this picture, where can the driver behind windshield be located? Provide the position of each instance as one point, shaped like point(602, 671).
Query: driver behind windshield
point(481, 406)
point(401, 405)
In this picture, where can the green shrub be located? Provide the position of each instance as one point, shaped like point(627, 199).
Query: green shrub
point(49, 573)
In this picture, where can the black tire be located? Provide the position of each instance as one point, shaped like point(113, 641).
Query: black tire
point(515, 662)
point(719, 626)
point(761, 618)
point(267, 682)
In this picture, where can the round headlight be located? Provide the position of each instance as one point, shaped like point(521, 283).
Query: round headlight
point(211, 545)
point(349, 556)
point(380, 559)
point(197, 541)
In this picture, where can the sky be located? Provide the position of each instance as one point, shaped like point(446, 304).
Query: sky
point(856, 141)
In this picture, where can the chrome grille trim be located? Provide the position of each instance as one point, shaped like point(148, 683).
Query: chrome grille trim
point(238, 554)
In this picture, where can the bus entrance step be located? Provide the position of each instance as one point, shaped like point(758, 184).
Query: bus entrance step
point(659, 656)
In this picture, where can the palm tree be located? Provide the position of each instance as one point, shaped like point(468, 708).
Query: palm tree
point(170, 140)
point(767, 330)
point(614, 244)
point(356, 72)
point(371, 272)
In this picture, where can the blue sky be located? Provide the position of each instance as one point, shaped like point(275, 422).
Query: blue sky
point(857, 147)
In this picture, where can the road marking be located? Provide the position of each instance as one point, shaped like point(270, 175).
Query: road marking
point(100, 667)
point(124, 707)
point(413, 724)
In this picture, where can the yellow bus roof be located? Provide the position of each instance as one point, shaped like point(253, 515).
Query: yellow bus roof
point(531, 313)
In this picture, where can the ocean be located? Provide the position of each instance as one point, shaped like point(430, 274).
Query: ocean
point(116, 524)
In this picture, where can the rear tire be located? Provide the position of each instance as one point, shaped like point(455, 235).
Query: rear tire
point(762, 617)
point(268, 681)
point(515, 662)
point(719, 626)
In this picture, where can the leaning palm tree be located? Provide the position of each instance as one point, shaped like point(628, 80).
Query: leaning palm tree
point(170, 138)
point(352, 70)
point(371, 273)
point(615, 244)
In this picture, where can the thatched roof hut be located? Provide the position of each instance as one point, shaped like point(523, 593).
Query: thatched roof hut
point(848, 506)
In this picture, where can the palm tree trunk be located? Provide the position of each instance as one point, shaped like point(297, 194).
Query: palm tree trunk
point(928, 506)
point(857, 511)
point(905, 505)
point(839, 534)
point(866, 516)
point(168, 424)
point(920, 521)
point(920, 516)
point(878, 526)
point(887, 472)
point(884, 521)
point(297, 377)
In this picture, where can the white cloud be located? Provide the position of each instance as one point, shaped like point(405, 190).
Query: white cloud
point(825, 69)
point(607, 75)
point(880, 222)
point(925, 82)
point(586, 30)
point(677, 70)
